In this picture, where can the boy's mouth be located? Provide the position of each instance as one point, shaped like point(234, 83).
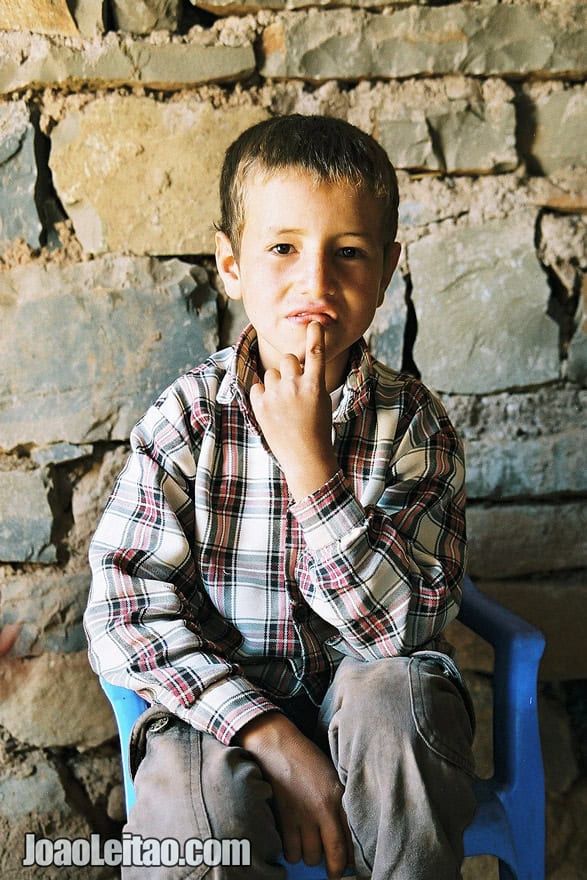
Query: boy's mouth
point(308, 315)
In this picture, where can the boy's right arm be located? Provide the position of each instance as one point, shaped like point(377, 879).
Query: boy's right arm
point(307, 792)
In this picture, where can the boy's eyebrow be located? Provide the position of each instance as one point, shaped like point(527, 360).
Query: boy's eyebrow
point(275, 230)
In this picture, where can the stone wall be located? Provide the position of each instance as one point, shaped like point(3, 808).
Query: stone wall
point(113, 120)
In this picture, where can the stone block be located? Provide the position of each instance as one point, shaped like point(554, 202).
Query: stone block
point(528, 415)
point(38, 796)
point(38, 16)
point(48, 610)
point(477, 136)
point(89, 498)
point(19, 218)
point(243, 7)
point(90, 16)
point(34, 61)
point(74, 713)
point(60, 453)
point(555, 111)
point(385, 336)
point(456, 124)
point(477, 39)
point(144, 16)
point(577, 355)
point(26, 518)
point(481, 296)
point(565, 191)
point(149, 186)
point(113, 332)
point(556, 604)
point(546, 465)
point(513, 540)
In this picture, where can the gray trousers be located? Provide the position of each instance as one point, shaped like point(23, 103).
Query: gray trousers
point(399, 732)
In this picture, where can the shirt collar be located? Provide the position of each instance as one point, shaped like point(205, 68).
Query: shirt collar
point(243, 372)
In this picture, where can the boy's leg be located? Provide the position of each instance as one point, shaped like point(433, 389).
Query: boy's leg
point(400, 733)
point(188, 785)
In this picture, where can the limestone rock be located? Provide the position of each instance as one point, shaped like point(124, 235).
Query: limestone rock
point(577, 361)
point(90, 495)
point(48, 610)
point(150, 186)
point(33, 61)
point(439, 125)
point(19, 218)
point(114, 332)
point(144, 16)
point(512, 540)
point(38, 16)
point(481, 40)
point(90, 16)
point(565, 191)
point(555, 112)
point(555, 603)
point(522, 466)
point(54, 700)
point(499, 418)
point(481, 296)
point(385, 336)
point(26, 518)
point(37, 797)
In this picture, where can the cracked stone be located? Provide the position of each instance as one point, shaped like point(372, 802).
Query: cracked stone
point(75, 710)
point(150, 186)
point(532, 538)
point(19, 218)
point(133, 326)
point(144, 16)
point(481, 296)
point(26, 518)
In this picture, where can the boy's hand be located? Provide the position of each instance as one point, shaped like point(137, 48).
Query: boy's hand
point(294, 411)
point(307, 792)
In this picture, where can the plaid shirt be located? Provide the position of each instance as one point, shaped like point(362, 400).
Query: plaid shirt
point(214, 594)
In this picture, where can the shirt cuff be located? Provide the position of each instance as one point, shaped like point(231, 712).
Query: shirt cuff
point(331, 513)
point(224, 708)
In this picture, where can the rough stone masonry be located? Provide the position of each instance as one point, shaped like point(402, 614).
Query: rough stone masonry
point(114, 116)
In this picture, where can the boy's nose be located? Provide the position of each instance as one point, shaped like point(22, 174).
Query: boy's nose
point(319, 278)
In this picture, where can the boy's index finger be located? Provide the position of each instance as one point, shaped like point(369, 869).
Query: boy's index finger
point(315, 365)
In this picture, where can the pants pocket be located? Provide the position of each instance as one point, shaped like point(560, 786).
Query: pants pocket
point(153, 719)
point(442, 708)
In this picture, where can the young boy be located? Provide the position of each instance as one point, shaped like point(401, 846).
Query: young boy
point(279, 557)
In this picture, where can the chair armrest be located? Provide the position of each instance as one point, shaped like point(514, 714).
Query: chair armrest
point(518, 647)
point(127, 706)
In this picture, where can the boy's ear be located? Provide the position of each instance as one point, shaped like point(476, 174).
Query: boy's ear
point(227, 266)
point(390, 261)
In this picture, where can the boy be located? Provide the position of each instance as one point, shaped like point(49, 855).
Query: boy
point(286, 544)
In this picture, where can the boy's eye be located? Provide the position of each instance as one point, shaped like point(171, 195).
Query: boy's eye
point(350, 253)
point(282, 249)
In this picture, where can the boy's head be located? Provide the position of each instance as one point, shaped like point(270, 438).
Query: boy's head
point(326, 149)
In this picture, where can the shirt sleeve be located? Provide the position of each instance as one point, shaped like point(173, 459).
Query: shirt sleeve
point(389, 575)
point(145, 610)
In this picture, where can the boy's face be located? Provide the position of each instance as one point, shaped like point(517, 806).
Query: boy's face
point(308, 253)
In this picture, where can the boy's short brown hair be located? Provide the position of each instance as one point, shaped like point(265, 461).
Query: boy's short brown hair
point(328, 149)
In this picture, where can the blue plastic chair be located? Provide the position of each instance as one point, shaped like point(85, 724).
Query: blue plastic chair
point(509, 822)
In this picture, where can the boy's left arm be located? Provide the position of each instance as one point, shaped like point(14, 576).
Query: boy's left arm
point(389, 576)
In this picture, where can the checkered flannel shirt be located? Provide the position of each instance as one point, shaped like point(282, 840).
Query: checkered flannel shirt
point(214, 594)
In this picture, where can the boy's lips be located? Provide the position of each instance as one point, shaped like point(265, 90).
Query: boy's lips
point(322, 316)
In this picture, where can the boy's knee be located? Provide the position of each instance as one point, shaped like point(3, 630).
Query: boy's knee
point(398, 701)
